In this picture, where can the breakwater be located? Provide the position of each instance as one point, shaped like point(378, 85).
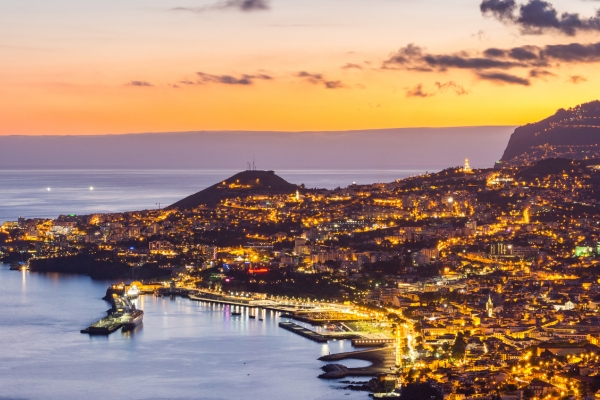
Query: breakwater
point(299, 330)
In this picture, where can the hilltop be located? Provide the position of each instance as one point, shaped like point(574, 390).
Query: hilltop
point(242, 184)
point(570, 133)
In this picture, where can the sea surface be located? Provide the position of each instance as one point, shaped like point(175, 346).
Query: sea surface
point(50, 193)
point(183, 350)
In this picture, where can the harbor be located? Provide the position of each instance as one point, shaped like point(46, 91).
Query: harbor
point(123, 315)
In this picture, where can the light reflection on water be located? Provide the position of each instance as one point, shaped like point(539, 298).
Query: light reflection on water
point(183, 350)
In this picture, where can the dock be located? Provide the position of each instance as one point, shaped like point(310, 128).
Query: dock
point(105, 326)
point(299, 330)
point(382, 360)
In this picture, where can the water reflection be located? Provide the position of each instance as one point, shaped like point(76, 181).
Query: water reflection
point(183, 350)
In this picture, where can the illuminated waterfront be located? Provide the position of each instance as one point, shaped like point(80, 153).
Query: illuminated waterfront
point(184, 350)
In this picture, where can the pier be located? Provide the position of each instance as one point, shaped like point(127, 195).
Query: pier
point(299, 330)
point(372, 342)
point(382, 361)
point(105, 326)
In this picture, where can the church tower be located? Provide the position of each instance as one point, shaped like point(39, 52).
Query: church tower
point(489, 307)
point(467, 167)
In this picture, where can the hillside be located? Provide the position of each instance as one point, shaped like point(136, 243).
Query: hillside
point(572, 133)
point(241, 184)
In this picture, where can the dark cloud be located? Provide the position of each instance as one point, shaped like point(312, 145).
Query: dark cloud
point(538, 59)
point(540, 73)
point(538, 16)
point(573, 52)
point(413, 57)
point(318, 79)
point(242, 5)
point(494, 53)
point(440, 87)
point(452, 86)
point(227, 79)
point(334, 85)
point(501, 9)
point(417, 91)
point(140, 84)
point(352, 66)
point(524, 53)
point(501, 77)
point(576, 79)
point(312, 78)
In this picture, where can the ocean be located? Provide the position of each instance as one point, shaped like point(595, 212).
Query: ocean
point(50, 193)
point(184, 349)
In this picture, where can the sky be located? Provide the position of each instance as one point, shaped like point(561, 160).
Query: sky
point(107, 67)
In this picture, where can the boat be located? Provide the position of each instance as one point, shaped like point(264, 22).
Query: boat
point(105, 326)
point(133, 292)
point(132, 319)
point(236, 314)
point(386, 395)
point(252, 316)
point(260, 319)
point(19, 266)
point(129, 315)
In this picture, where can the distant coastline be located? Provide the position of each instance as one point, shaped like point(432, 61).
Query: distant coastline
point(387, 149)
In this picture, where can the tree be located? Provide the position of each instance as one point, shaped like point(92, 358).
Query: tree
point(459, 347)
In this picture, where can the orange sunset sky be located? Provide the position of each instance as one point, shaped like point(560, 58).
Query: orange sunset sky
point(103, 67)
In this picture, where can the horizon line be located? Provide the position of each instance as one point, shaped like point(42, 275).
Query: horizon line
point(257, 131)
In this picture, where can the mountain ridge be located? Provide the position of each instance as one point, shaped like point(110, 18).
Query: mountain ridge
point(570, 133)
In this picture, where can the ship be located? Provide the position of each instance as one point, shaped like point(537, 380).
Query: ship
point(132, 319)
point(133, 292)
point(123, 315)
point(19, 266)
point(129, 315)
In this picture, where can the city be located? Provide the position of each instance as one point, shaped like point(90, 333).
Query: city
point(478, 283)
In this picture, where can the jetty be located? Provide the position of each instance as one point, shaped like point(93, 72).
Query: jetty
point(382, 361)
point(307, 333)
point(105, 326)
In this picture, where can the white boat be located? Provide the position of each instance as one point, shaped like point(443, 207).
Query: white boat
point(133, 292)
point(132, 319)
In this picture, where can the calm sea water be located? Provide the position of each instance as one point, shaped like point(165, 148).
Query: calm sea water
point(183, 350)
point(50, 193)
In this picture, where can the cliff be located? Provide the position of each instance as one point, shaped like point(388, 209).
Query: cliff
point(242, 184)
point(572, 133)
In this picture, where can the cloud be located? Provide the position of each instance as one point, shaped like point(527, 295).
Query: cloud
point(417, 91)
point(501, 9)
point(242, 5)
point(317, 79)
point(538, 16)
point(334, 85)
point(577, 79)
point(440, 87)
point(540, 73)
point(493, 64)
point(227, 79)
point(501, 77)
point(414, 58)
point(140, 84)
point(452, 86)
point(573, 52)
point(352, 66)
